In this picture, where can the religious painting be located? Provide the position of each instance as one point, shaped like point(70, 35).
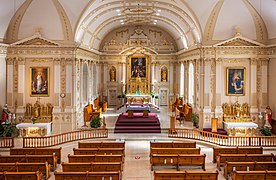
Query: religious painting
point(39, 81)
point(235, 84)
point(138, 67)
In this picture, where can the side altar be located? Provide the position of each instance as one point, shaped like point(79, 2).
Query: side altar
point(237, 120)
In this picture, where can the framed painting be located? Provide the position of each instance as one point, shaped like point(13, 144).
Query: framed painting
point(39, 81)
point(138, 67)
point(235, 82)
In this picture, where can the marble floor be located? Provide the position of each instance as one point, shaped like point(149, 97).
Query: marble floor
point(137, 164)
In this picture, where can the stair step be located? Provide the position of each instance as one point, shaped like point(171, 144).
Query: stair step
point(137, 127)
point(137, 131)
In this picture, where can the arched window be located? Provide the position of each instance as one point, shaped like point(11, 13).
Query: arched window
point(182, 80)
point(85, 83)
point(191, 84)
point(94, 79)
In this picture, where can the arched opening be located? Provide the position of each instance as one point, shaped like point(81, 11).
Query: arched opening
point(85, 83)
point(181, 80)
point(191, 84)
point(94, 80)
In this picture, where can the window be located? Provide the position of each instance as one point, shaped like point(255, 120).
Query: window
point(191, 84)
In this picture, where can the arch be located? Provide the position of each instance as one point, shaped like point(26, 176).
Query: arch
point(191, 84)
point(99, 18)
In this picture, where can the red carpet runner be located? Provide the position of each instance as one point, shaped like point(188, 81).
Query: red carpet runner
point(137, 124)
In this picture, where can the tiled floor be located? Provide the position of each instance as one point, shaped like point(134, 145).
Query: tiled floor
point(137, 164)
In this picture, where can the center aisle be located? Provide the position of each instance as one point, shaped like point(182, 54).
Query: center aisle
point(137, 161)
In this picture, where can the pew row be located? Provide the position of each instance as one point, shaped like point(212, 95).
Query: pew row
point(235, 150)
point(92, 167)
point(174, 151)
point(51, 159)
point(88, 175)
point(43, 168)
point(185, 175)
point(253, 175)
point(89, 151)
point(103, 144)
point(20, 176)
point(222, 158)
point(244, 166)
point(95, 158)
point(37, 151)
point(178, 160)
point(173, 144)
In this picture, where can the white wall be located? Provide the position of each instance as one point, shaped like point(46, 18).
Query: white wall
point(2, 81)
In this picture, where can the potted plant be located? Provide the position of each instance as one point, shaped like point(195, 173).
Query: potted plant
point(195, 119)
point(8, 130)
point(95, 122)
point(265, 131)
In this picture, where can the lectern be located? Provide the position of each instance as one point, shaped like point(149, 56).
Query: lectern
point(214, 124)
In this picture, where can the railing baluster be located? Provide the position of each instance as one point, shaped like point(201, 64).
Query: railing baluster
point(63, 138)
point(224, 140)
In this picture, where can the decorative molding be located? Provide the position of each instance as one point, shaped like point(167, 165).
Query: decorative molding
point(12, 31)
point(211, 23)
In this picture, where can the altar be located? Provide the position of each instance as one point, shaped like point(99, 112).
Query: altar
point(34, 129)
point(240, 128)
point(237, 120)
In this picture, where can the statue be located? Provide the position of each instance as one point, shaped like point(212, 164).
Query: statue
point(112, 74)
point(5, 114)
point(164, 74)
point(268, 114)
point(36, 110)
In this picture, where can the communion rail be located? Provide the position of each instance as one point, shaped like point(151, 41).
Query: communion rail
point(223, 140)
point(57, 139)
point(6, 142)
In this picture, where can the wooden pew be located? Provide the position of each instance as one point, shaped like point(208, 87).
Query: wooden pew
point(192, 175)
point(20, 176)
point(174, 144)
point(88, 175)
point(178, 160)
point(174, 151)
point(254, 175)
point(43, 168)
point(89, 151)
point(183, 175)
point(222, 158)
point(93, 167)
point(103, 144)
point(95, 158)
point(37, 151)
point(253, 166)
point(51, 159)
point(236, 150)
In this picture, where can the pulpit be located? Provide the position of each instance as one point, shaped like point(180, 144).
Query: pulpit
point(214, 124)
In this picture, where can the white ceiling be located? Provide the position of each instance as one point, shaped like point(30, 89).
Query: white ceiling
point(184, 20)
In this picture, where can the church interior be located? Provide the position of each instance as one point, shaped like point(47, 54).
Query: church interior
point(152, 89)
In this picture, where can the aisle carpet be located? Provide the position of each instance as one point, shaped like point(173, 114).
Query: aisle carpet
point(137, 124)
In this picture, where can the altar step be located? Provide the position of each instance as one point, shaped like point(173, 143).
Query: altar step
point(137, 124)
